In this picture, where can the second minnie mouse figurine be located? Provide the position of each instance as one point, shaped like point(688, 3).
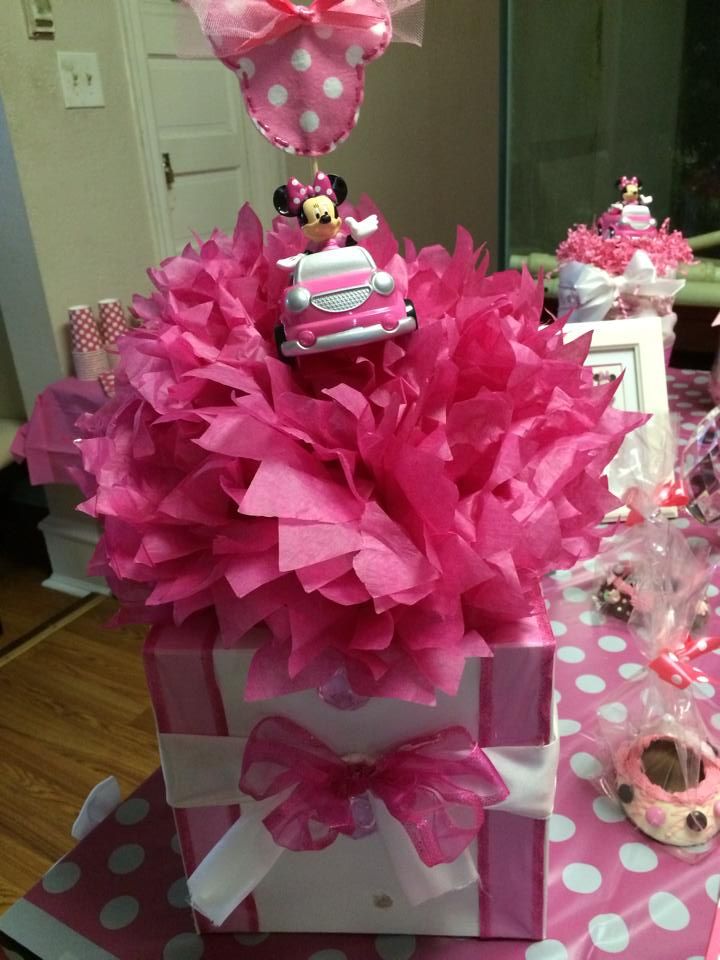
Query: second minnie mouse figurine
point(337, 297)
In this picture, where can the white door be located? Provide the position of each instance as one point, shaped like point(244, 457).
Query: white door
point(204, 159)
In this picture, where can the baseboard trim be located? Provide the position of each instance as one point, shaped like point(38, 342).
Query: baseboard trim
point(75, 586)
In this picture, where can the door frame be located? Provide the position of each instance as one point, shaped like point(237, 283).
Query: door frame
point(146, 122)
point(144, 113)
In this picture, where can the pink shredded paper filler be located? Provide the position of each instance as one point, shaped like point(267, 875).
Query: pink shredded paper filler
point(666, 248)
point(374, 509)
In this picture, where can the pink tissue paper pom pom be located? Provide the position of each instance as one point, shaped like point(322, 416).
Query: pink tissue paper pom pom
point(374, 509)
point(666, 248)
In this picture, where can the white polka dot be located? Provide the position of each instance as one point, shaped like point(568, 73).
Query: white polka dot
point(557, 696)
point(715, 720)
point(712, 887)
point(333, 88)
point(581, 878)
point(630, 671)
point(328, 955)
point(324, 32)
point(559, 629)
point(638, 857)
point(561, 828)
point(277, 95)
point(62, 877)
point(247, 67)
point(309, 121)
point(668, 912)
point(567, 728)
point(126, 859)
point(607, 810)
point(590, 683)
point(177, 895)
point(609, 933)
point(395, 948)
point(575, 594)
point(119, 913)
point(354, 55)
point(592, 618)
point(698, 543)
point(571, 654)
point(585, 765)
point(712, 590)
point(185, 946)
point(132, 811)
point(561, 574)
point(175, 844)
point(250, 939)
point(613, 712)
point(301, 60)
point(546, 950)
point(703, 691)
point(611, 644)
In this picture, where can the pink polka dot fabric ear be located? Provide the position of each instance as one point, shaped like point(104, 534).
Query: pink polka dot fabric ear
point(302, 68)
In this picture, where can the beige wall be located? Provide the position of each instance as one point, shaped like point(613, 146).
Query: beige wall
point(426, 145)
point(79, 169)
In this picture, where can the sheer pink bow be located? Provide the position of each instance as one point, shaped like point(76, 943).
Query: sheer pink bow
point(236, 27)
point(436, 786)
point(675, 666)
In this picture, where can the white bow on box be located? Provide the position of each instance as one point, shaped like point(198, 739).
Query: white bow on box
point(590, 292)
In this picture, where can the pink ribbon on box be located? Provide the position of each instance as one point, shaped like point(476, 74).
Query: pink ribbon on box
point(235, 29)
point(436, 786)
point(674, 666)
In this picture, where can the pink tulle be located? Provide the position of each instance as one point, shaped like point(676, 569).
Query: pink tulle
point(666, 248)
point(436, 786)
point(373, 509)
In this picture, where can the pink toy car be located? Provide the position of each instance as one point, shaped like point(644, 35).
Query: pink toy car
point(633, 220)
point(338, 298)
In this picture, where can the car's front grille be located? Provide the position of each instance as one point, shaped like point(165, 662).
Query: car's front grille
point(341, 300)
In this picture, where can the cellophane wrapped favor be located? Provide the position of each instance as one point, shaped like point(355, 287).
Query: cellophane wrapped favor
point(375, 508)
point(660, 763)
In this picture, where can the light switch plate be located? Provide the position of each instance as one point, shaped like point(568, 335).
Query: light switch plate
point(80, 78)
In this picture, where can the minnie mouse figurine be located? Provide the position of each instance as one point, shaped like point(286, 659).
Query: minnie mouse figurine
point(337, 297)
point(630, 188)
point(630, 215)
point(316, 208)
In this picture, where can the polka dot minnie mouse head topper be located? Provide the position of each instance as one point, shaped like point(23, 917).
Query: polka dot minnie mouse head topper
point(302, 68)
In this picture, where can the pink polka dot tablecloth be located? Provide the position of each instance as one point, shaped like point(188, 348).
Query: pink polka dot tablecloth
point(613, 894)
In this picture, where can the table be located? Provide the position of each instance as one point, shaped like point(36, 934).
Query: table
point(46, 441)
point(121, 892)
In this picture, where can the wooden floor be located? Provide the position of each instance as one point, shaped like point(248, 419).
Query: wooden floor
point(73, 709)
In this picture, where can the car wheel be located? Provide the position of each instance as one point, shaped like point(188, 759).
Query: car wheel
point(280, 339)
point(410, 311)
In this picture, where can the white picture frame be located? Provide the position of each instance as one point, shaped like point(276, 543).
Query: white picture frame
point(633, 345)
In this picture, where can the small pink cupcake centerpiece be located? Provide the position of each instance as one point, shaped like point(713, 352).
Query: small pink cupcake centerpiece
point(637, 260)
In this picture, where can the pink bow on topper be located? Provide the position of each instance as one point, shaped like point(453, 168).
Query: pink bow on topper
point(302, 68)
point(675, 667)
point(436, 786)
point(626, 181)
point(298, 192)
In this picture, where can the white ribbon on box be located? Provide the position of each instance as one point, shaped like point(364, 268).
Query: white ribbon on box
point(590, 292)
point(203, 771)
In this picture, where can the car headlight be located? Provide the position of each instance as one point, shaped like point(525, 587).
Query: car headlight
point(297, 299)
point(383, 282)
